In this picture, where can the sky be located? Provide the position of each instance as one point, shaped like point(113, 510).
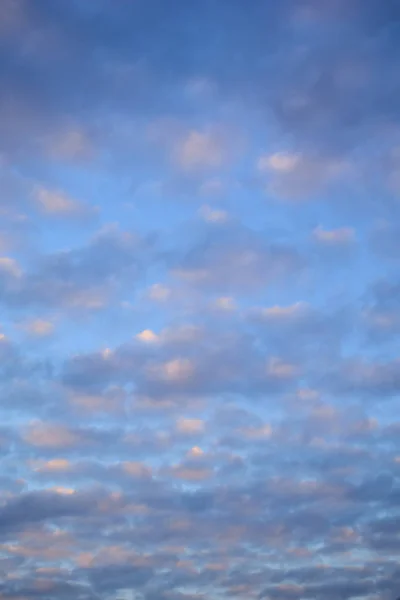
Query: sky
point(199, 299)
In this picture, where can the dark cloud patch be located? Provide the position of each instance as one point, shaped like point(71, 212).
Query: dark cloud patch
point(115, 577)
point(36, 506)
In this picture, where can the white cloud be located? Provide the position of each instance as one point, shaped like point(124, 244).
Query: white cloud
point(72, 144)
point(49, 435)
point(213, 215)
point(147, 336)
point(190, 426)
point(296, 176)
point(159, 292)
point(280, 161)
point(10, 266)
point(199, 150)
point(334, 237)
point(226, 303)
point(175, 370)
point(284, 312)
point(55, 202)
point(279, 369)
point(54, 465)
point(38, 327)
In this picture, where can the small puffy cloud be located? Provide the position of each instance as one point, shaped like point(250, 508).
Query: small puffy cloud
point(57, 203)
point(213, 215)
point(55, 465)
point(279, 369)
point(225, 303)
point(283, 313)
point(38, 327)
point(280, 161)
point(72, 144)
point(190, 426)
point(334, 237)
point(298, 176)
point(63, 491)
point(174, 370)
point(136, 469)
point(159, 292)
point(201, 150)
point(147, 336)
point(196, 451)
point(259, 433)
point(111, 401)
point(10, 267)
point(50, 435)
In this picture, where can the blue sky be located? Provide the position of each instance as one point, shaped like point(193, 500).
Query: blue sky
point(199, 299)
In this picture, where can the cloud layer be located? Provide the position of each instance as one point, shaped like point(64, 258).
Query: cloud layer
point(200, 299)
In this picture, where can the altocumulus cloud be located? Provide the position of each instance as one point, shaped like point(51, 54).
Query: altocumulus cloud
point(200, 299)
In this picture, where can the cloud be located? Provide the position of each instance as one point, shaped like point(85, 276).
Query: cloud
point(184, 361)
point(38, 506)
point(200, 150)
point(72, 144)
point(50, 436)
point(147, 336)
point(334, 237)
point(77, 278)
point(213, 215)
point(159, 292)
point(57, 203)
point(9, 267)
point(212, 409)
point(190, 426)
point(237, 259)
point(363, 375)
point(38, 328)
point(174, 370)
point(55, 464)
point(296, 176)
point(381, 311)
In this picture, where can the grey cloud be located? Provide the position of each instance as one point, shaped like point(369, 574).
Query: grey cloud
point(382, 310)
point(321, 333)
point(80, 277)
point(114, 577)
point(365, 377)
point(330, 95)
point(39, 506)
point(218, 362)
point(237, 258)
